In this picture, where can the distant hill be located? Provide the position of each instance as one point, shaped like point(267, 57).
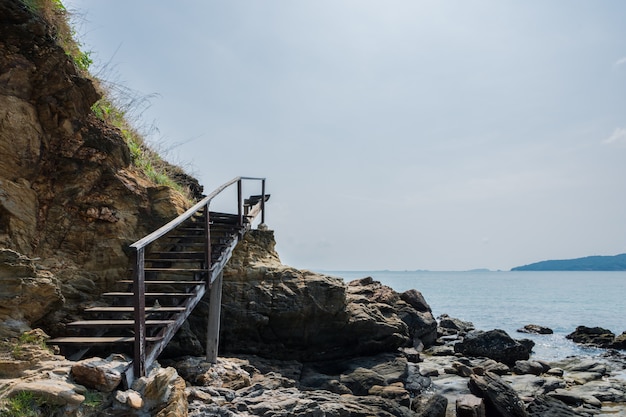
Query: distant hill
point(589, 263)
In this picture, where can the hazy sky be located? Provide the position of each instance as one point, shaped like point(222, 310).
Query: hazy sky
point(400, 134)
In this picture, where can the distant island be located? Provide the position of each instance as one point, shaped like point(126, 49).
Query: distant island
point(589, 263)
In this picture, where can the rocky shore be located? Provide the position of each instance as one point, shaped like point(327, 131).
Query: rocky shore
point(296, 343)
point(293, 342)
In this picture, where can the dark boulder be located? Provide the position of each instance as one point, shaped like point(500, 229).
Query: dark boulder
point(592, 336)
point(494, 344)
point(455, 325)
point(535, 329)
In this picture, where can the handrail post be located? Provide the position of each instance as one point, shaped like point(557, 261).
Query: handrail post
point(139, 301)
point(263, 201)
point(239, 202)
point(207, 245)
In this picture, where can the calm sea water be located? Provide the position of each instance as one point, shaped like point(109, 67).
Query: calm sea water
point(509, 300)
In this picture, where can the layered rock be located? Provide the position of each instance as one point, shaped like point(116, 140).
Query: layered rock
point(27, 293)
point(68, 193)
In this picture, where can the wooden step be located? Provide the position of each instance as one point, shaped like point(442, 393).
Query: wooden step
point(179, 255)
point(174, 260)
point(132, 309)
point(164, 282)
point(177, 270)
point(118, 323)
point(96, 340)
point(149, 294)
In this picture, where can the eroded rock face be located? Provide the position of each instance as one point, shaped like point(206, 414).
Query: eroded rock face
point(26, 293)
point(68, 194)
point(274, 310)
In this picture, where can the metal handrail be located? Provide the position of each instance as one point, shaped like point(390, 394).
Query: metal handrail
point(139, 302)
point(145, 241)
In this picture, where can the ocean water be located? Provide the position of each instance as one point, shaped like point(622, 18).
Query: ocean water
point(509, 300)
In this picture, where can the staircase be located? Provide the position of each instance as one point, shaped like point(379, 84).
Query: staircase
point(173, 268)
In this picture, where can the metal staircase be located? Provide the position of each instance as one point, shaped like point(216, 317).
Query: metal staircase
point(173, 268)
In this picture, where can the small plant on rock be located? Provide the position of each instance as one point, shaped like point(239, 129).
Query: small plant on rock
point(23, 404)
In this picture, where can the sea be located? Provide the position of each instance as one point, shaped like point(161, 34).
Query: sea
point(509, 300)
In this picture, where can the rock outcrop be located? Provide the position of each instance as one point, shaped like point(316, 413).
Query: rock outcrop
point(68, 192)
point(273, 310)
point(594, 336)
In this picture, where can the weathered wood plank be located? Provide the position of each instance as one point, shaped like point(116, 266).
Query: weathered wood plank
point(160, 309)
point(164, 282)
point(97, 340)
point(148, 294)
point(117, 323)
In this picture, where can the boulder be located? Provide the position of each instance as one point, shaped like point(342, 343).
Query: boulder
point(456, 325)
point(494, 344)
point(469, 405)
point(535, 329)
point(50, 391)
point(430, 405)
point(500, 399)
point(592, 336)
point(545, 406)
point(102, 374)
point(530, 367)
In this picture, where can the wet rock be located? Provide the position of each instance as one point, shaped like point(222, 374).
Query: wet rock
point(494, 344)
point(592, 336)
point(535, 329)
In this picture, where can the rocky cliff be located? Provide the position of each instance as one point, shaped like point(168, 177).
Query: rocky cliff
point(70, 200)
point(277, 311)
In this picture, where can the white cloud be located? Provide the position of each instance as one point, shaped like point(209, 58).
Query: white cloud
point(619, 62)
point(618, 137)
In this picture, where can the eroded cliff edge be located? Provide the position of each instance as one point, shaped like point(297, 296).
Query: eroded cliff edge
point(70, 200)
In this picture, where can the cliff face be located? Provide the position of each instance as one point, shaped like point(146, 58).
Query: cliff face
point(68, 194)
point(277, 311)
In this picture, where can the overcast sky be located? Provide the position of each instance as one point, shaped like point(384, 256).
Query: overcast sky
point(401, 134)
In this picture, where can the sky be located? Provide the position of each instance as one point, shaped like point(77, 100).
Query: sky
point(401, 134)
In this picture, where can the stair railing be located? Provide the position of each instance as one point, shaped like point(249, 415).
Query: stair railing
point(139, 301)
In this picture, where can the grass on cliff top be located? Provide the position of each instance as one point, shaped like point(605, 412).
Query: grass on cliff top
point(54, 13)
point(113, 112)
point(117, 103)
